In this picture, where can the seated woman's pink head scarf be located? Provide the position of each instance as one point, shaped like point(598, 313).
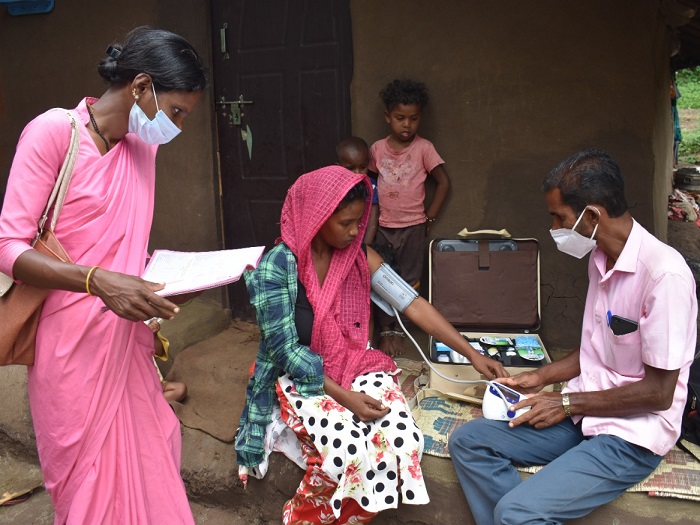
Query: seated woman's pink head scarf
point(341, 305)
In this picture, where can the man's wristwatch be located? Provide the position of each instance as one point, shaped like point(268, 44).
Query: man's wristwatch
point(566, 405)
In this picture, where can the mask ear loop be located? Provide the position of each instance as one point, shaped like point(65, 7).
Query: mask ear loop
point(595, 229)
point(592, 208)
point(154, 96)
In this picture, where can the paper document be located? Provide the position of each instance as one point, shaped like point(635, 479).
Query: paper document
point(184, 272)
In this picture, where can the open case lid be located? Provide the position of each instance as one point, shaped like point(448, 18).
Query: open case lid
point(486, 284)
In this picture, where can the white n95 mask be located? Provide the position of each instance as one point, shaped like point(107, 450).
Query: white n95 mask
point(572, 242)
point(157, 131)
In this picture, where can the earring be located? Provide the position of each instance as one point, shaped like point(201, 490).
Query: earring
point(133, 92)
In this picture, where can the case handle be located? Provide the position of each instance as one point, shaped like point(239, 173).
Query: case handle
point(466, 234)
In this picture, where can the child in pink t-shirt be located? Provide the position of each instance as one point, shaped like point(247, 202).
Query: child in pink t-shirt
point(402, 162)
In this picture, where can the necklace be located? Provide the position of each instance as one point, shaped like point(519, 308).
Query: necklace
point(94, 125)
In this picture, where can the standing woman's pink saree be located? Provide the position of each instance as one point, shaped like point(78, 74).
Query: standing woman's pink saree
point(108, 442)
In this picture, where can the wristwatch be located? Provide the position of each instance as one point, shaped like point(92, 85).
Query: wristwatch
point(566, 405)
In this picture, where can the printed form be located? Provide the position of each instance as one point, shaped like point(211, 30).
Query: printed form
point(184, 272)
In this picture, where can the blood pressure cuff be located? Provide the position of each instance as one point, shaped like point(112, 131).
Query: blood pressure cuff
point(390, 290)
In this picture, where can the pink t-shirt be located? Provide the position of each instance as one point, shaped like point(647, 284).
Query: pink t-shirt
point(401, 182)
point(650, 284)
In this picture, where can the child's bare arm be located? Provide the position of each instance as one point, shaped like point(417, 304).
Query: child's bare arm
point(441, 191)
point(372, 224)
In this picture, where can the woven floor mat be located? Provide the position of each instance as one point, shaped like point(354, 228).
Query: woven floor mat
point(678, 475)
point(411, 370)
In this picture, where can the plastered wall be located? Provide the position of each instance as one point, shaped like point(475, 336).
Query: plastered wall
point(515, 88)
point(50, 61)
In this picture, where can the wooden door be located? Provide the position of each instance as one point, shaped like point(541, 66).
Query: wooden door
point(293, 61)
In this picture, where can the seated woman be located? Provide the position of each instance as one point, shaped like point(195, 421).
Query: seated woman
point(311, 292)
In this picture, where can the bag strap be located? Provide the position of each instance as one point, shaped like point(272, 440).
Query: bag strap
point(58, 194)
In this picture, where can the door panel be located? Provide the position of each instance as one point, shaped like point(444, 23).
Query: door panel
point(293, 60)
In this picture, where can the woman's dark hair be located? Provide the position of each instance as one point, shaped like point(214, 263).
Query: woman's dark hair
point(589, 177)
point(404, 92)
point(357, 193)
point(170, 60)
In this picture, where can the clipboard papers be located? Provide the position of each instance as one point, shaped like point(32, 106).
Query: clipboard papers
point(184, 272)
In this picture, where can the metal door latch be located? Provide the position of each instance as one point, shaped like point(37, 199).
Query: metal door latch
point(222, 40)
point(235, 112)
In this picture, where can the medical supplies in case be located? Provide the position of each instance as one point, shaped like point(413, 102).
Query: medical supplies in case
point(489, 289)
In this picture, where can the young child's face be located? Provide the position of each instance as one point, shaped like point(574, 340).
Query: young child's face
point(354, 159)
point(404, 121)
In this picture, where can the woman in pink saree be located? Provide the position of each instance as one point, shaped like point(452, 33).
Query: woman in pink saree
point(108, 442)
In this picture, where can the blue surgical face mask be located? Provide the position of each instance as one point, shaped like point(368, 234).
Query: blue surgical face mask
point(572, 242)
point(157, 131)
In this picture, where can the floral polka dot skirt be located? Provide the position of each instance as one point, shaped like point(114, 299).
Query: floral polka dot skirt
point(378, 463)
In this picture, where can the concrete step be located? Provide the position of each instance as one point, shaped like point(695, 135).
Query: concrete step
point(217, 498)
point(209, 468)
point(214, 483)
point(200, 319)
point(38, 510)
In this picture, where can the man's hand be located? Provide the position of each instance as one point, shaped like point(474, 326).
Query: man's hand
point(525, 383)
point(546, 410)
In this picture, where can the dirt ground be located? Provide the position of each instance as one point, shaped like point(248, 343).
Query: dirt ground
point(685, 237)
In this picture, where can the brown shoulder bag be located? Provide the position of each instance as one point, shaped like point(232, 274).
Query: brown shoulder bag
point(20, 303)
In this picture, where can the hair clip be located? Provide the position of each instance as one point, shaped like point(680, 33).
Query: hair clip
point(113, 52)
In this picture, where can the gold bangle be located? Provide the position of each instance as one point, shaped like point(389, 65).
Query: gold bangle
point(87, 279)
point(565, 403)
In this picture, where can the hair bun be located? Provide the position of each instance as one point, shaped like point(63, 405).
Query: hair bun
point(108, 69)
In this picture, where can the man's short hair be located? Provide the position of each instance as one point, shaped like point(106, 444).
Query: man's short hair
point(589, 177)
